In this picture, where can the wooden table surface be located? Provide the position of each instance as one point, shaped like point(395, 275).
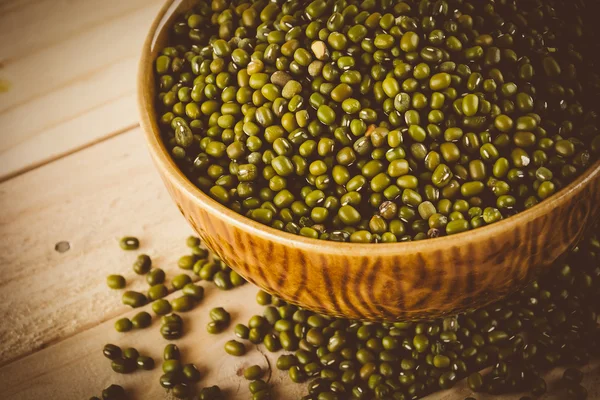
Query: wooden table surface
point(74, 168)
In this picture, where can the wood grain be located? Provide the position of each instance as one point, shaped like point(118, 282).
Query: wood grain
point(75, 368)
point(28, 26)
point(89, 199)
point(72, 66)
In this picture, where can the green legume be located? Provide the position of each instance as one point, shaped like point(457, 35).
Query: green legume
point(253, 372)
point(180, 281)
point(134, 299)
point(219, 314)
point(215, 327)
point(161, 307)
point(183, 303)
point(145, 363)
point(190, 373)
point(155, 277)
point(235, 348)
point(123, 366)
point(129, 243)
point(194, 291)
point(141, 320)
point(115, 281)
point(142, 264)
point(123, 325)
point(111, 351)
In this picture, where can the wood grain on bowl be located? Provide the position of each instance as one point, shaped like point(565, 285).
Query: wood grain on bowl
point(396, 281)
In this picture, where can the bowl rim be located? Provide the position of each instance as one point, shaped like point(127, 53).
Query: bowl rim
point(171, 172)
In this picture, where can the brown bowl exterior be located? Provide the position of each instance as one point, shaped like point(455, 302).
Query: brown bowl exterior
point(399, 281)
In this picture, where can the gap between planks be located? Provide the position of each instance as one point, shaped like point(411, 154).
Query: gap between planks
point(70, 118)
point(91, 199)
point(8, 61)
point(87, 327)
point(65, 120)
point(6, 6)
point(62, 85)
point(41, 47)
point(67, 153)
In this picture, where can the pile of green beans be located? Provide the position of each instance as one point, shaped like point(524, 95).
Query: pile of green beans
point(552, 322)
point(203, 265)
point(379, 120)
point(506, 347)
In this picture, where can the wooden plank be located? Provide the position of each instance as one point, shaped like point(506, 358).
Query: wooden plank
point(27, 26)
point(7, 6)
point(65, 293)
point(78, 56)
point(89, 199)
point(71, 133)
point(75, 368)
point(76, 85)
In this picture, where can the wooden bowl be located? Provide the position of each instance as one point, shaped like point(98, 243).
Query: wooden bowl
point(396, 281)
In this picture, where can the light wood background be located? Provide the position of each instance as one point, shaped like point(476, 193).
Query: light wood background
point(74, 167)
